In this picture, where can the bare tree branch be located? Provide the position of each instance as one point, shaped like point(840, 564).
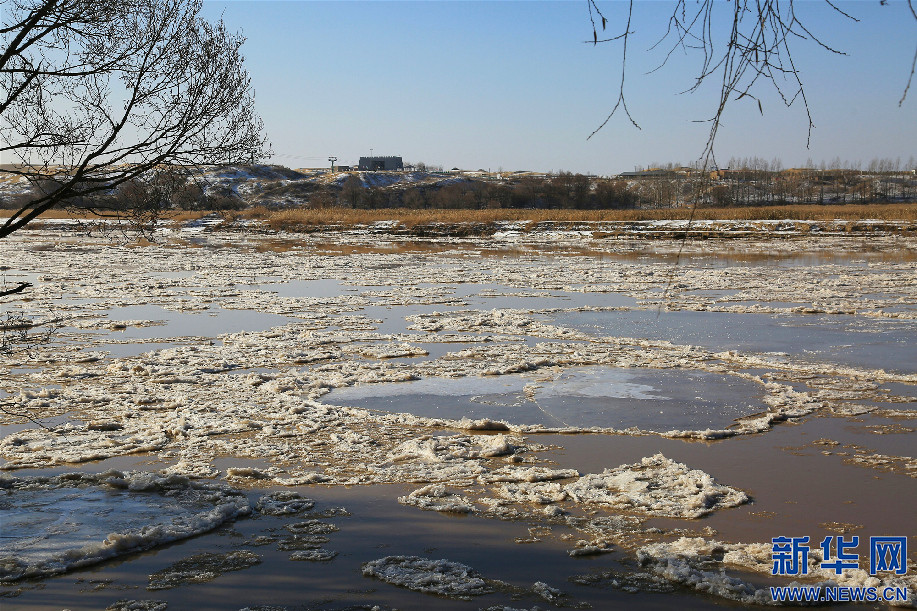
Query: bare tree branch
point(17, 289)
point(910, 78)
point(756, 49)
point(621, 102)
point(96, 93)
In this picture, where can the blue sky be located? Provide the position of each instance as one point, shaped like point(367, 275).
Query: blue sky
point(511, 84)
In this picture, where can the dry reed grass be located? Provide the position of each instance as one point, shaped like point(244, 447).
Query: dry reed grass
point(305, 218)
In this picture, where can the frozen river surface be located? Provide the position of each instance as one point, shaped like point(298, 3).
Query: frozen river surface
point(353, 420)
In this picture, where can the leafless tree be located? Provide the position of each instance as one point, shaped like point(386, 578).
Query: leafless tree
point(146, 199)
point(352, 191)
point(100, 102)
point(96, 93)
point(757, 48)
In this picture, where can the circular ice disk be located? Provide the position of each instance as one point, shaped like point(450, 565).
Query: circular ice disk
point(653, 400)
point(657, 400)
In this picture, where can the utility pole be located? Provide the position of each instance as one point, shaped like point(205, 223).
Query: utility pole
point(332, 160)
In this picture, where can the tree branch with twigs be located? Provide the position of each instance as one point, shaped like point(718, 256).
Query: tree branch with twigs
point(16, 289)
point(98, 93)
point(756, 49)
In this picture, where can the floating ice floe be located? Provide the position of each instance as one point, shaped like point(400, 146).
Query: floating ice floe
point(311, 527)
point(202, 568)
point(47, 520)
point(536, 494)
point(547, 592)
point(284, 502)
point(436, 497)
point(73, 443)
point(503, 321)
point(138, 605)
point(300, 542)
point(455, 447)
point(527, 474)
point(314, 555)
point(441, 577)
point(656, 486)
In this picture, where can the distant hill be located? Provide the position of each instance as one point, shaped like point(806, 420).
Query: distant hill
point(237, 186)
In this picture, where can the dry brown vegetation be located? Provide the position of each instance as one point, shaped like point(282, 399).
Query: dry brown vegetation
point(306, 219)
point(292, 218)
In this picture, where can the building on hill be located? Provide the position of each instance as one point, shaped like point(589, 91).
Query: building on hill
point(388, 164)
point(651, 173)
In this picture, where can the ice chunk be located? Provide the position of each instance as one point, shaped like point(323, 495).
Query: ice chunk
point(391, 351)
point(138, 605)
point(202, 568)
point(312, 527)
point(538, 494)
point(314, 555)
point(436, 497)
point(546, 592)
point(283, 502)
point(656, 486)
point(441, 577)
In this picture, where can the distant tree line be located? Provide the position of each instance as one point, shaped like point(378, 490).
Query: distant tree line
point(755, 181)
point(750, 185)
point(747, 182)
point(563, 190)
point(151, 194)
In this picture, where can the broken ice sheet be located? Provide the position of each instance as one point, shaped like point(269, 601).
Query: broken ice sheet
point(311, 527)
point(275, 412)
point(314, 555)
point(138, 605)
point(55, 524)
